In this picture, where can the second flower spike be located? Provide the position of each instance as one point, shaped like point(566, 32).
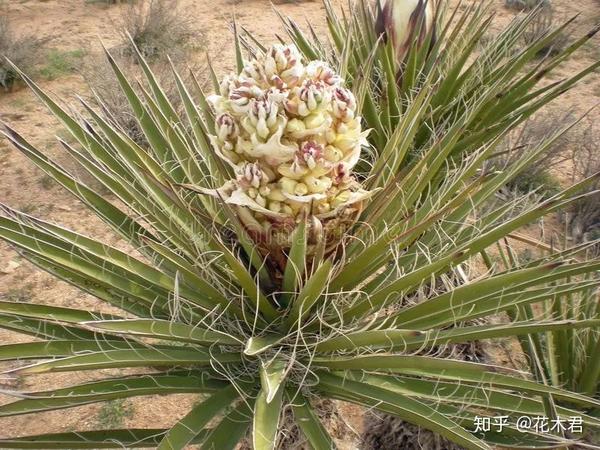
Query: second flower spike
point(404, 21)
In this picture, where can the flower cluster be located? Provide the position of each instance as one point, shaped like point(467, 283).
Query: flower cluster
point(291, 135)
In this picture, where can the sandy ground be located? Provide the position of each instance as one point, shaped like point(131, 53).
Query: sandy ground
point(80, 25)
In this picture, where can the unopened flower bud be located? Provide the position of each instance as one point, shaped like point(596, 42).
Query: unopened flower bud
point(343, 103)
point(333, 153)
point(288, 185)
point(280, 66)
point(318, 70)
point(310, 153)
point(251, 175)
point(340, 199)
point(322, 208)
point(317, 185)
point(301, 189)
point(263, 115)
point(316, 231)
point(308, 98)
point(261, 200)
point(276, 194)
point(315, 120)
point(229, 83)
point(264, 191)
point(341, 174)
point(226, 128)
point(275, 206)
point(240, 98)
point(400, 20)
point(294, 170)
point(295, 125)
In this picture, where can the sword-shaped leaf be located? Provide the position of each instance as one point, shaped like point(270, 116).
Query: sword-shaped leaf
point(192, 425)
point(111, 389)
point(163, 329)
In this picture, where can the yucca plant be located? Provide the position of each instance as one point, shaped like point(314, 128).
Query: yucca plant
point(282, 253)
point(566, 358)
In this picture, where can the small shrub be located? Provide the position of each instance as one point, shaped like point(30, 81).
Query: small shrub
point(28, 208)
point(524, 5)
point(23, 51)
point(159, 28)
point(283, 2)
point(543, 23)
point(585, 213)
point(114, 413)
point(526, 139)
point(106, 2)
point(46, 182)
point(61, 63)
point(114, 105)
point(19, 294)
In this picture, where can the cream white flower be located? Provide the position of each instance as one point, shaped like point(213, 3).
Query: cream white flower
point(292, 135)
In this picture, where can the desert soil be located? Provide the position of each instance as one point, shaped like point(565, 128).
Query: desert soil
point(81, 25)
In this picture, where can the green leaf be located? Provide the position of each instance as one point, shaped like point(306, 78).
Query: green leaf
point(188, 274)
point(406, 340)
point(309, 295)
point(126, 438)
point(309, 423)
point(267, 413)
point(129, 358)
point(158, 143)
point(230, 431)
point(468, 397)
point(239, 59)
point(130, 229)
point(182, 382)
point(53, 313)
point(163, 329)
point(52, 349)
point(434, 311)
point(294, 269)
point(258, 344)
point(272, 376)
point(65, 255)
point(248, 284)
point(185, 430)
point(404, 407)
point(43, 329)
point(449, 369)
point(388, 338)
point(213, 165)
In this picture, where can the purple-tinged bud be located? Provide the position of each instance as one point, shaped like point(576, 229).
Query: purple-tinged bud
point(311, 153)
point(226, 127)
point(344, 104)
point(400, 20)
